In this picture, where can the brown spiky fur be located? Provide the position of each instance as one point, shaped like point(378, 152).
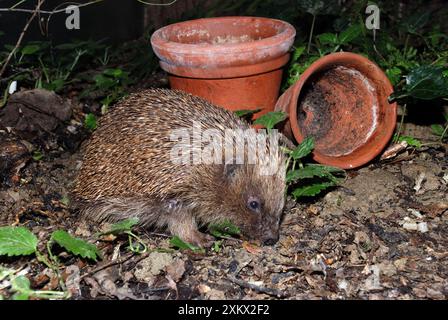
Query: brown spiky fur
point(127, 171)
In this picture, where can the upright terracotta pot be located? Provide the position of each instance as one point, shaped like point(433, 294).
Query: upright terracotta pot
point(234, 62)
point(341, 100)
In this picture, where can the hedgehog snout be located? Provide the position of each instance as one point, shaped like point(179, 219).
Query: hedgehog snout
point(270, 236)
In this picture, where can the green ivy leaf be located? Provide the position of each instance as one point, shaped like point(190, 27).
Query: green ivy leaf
point(270, 119)
point(75, 245)
point(426, 83)
point(303, 149)
point(90, 121)
point(224, 229)
point(311, 190)
point(182, 245)
point(122, 226)
point(17, 241)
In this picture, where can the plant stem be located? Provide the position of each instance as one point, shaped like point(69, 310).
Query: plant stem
point(139, 243)
point(44, 260)
point(401, 124)
point(406, 44)
point(311, 33)
point(19, 41)
point(444, 132)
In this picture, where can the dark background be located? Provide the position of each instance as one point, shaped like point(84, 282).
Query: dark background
point(115, 21)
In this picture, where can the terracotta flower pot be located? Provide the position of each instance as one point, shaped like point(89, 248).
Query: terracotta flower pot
point(341, 100)
point(234, 62)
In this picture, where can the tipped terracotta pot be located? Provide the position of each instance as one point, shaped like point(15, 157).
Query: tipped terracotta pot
point(341, 100)
point(234, 62)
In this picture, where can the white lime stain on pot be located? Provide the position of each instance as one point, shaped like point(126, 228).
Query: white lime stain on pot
point(375, 106)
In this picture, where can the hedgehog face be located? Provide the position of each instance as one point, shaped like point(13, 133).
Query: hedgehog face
point(255, 203)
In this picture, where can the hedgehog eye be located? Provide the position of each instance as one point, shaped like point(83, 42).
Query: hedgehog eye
point(254, 204)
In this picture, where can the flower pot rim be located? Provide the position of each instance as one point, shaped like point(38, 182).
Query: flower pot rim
point(226, 72)
point(369, 151)
point(255, 51)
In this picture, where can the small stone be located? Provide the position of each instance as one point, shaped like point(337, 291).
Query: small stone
point(203, 288)
point(400, 264)
point(422, 227)
point(420, 293)
point(434, 294)
point(410, 226)
point(150, 267)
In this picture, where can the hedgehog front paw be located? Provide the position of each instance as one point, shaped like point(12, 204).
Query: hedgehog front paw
point(200, 239)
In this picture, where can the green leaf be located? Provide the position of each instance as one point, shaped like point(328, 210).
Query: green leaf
point(37, 155)
point(116, 73)
point(328, 38)
point(425, 82)
point(75, 245)
point(297, 53)
point(103, 82)
point(224, 229)
point(303, 149)
point(55, 85)
point(30, 49)
point(182, 245)
point(217, 245)
point(246, 113)
point(21, 296)
point(90, 121)
point(311, 190)
point(437, 129)
point(394, 75)
point(122, 226)
point(350, 34)
point(270, 119)
point(313, 170)
point(410, 141)
point(21, 284)
point(16, 241)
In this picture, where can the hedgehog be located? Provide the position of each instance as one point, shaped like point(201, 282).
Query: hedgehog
point(142, 162)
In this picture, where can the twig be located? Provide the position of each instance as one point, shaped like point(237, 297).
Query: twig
point(269, 291)
point(19, 41)
point(13, 9)
point(107, 265)
point(400, 128)
point(311, 33)
point(157, 4)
